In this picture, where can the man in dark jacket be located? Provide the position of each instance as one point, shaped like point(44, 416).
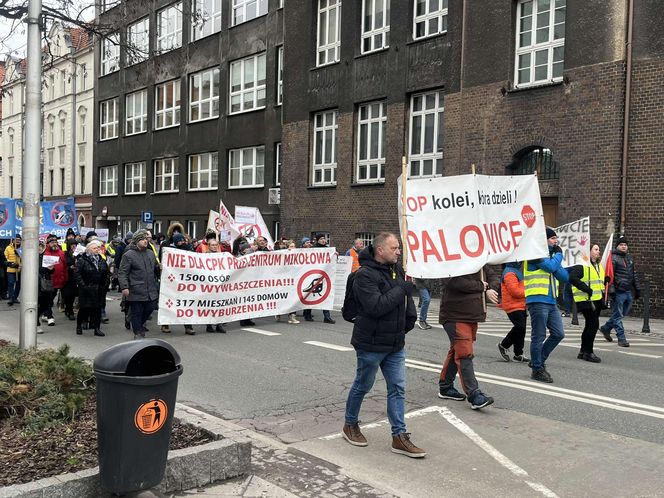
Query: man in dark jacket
point(386, 312)
point(625, 280)
point(138, 282)
point(462, 307)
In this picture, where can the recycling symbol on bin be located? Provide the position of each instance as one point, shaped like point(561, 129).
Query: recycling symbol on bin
point(151, 416)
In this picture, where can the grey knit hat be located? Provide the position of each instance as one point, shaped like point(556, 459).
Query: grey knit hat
point(139, 235)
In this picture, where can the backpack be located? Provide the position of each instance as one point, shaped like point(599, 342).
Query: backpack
point(350, 308)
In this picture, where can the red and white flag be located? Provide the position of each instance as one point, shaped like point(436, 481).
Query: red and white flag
point(607, 263)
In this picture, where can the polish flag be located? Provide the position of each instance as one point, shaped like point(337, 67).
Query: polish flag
point(607, 263)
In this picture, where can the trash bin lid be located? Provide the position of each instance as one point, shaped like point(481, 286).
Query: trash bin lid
point(116, 359)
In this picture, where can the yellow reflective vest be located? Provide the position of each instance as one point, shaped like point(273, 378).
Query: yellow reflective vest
point(537, 282)
point(593, 277)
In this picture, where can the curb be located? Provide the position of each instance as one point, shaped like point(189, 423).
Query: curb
point(188, 468)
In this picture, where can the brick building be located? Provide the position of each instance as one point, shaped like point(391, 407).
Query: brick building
point(516, 86)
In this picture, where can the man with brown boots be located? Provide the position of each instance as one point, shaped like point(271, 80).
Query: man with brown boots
point(385, 313)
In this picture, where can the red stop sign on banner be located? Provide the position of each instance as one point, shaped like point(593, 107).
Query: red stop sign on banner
point(528, 216)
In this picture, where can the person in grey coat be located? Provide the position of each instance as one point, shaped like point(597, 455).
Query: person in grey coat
point(138, 281)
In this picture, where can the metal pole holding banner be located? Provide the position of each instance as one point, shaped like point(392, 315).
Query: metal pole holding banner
point(482, 276)
point(30, 256)
point(646, 307)
point(404, 219)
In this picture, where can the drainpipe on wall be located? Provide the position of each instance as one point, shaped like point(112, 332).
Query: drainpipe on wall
point(628, 91)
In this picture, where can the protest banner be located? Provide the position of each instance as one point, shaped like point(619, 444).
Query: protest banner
point(214, 223)
point(49, 261)
point(253, 225)
point(57, 217)
point(9, 227)
point(225, 225)
point(457, 224)
point(206, 288)
point(344, 266)
point(102, 233)
point(245, 215)
point(574, 240)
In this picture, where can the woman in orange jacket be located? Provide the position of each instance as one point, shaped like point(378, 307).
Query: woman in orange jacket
point(514, 304)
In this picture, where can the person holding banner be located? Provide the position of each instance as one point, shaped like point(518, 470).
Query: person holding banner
point(212, 246)
point(178, 241)
point(625, 280)
point(588, 290)
point(462, 307)
point(386, 313)
point(321, 241)
point(541, 278)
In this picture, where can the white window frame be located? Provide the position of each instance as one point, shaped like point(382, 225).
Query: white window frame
point(419, 157)
point(328, 46)
point(108, 119)
point(254, 166)
point(249, 92)
point(169, 28)
point(377, 34)
point(161, 176)
point(280, 75)
point(108, 181)
point(132, 173)
point(210, 101)
point(10, 134)
point(426, 19)
point(552, 49)
point(171, 87)
point(126, 227)
point(138, 41)
point(277, 164)
point(136, 112)
point(62, 155)
point(110, 54)
point(240, 7)
point(205, 18)
point(366, 237)
point(365, 127)
point(63, 128)
point(323, 167)
point(207, 166)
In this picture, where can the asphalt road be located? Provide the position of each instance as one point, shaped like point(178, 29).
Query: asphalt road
point(291, 382)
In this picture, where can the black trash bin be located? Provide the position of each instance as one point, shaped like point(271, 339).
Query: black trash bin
point(137, 384)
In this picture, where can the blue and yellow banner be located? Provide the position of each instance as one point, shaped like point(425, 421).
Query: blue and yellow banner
point(54, 217)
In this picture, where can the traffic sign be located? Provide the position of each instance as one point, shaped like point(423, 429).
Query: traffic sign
point(147, 216)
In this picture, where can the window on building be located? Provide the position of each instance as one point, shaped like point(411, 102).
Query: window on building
point(166, 175)
point(82, 130)
point(136, 112)
point(10, 134)
point(138, 41)
point(63, 83)
point(110, 54)
point(83, 77)
point(247, 167)
point(248, 84)
point(366, 237)
point(325, 145)
point(167, 104)
point(192, 228)
point(135, 178)
point(51, 182)
point(246, 10)
point(536, 160)
point(280, 75)
point(169, 28)
point(277, 164)
point(11, 187)
point(51, 157)
point(375, 25)
point(203, 171)
point(156, 227)
point(329, 31)
point(205, 18)
point(126, 227)
point(108, 181)
point(204, 95)
point(62, 150)
point(108, 119)
point(10, 163)
point(63, 128)
point(371, 142)
point(81, 168)
point(426, 135)
point(540, 42)
point(430, 18)
point(62, 181)
point(51, 86)
point(51, 130)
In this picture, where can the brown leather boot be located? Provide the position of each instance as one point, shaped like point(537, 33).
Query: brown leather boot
point(403, 445)
point(353, 435)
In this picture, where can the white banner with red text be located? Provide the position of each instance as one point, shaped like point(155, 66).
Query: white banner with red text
point(457, 224)
point(209, 288)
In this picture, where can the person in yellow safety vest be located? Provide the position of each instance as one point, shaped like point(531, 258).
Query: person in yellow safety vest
point(588, 291)
point(70, 235)
point(540, 279)
point(354, 253)
point(152, 247)
point(13, 263)
point(111, 251)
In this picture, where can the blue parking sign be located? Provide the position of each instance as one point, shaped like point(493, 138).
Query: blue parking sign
point(147, 216)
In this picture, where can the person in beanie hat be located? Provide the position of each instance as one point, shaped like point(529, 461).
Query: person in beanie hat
point(625, 280)
point(541, 291)
point(305, 243)
point(89, 235)
point(59, 275)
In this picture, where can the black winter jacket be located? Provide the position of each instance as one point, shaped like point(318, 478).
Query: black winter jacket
point(385, 312)
point(137, 273)
point(92, 281)
point(624, 277)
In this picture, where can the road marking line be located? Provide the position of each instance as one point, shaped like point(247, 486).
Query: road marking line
point(644, 355)
point(559, 392)
point(260, 331)
point(493, 452)
point(648, 344)
point(328, 346)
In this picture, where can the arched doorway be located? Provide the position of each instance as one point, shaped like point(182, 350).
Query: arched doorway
point(540, 160)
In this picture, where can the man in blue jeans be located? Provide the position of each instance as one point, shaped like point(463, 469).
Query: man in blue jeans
point(386, 312)
point(541, 278)
point(625, 280)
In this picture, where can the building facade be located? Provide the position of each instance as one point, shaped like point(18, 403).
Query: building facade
point(188, 111)
point(67, 117)
point(511, 86)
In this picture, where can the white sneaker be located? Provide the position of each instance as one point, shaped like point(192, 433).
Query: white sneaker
point(40, 330)
point(43, 318)
point(423, 325)
point(51, 322)
point(292, 319)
